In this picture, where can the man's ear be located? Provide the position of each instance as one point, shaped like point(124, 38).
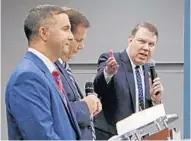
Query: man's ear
point(130, 38)
point(44, 33)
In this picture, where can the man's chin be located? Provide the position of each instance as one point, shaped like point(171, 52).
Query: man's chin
point(76, 51)
point(141, 62)
point(65, 53)
point(70, 56)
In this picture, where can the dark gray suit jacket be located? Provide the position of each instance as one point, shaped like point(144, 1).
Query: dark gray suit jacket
point(80, 108)
point(117, 97)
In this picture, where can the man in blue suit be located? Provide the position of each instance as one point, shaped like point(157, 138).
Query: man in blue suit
point(83, 107)
point(122, 81)
point(36, 103)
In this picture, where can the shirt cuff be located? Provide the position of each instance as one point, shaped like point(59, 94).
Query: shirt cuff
point(156, 103)
point(107, 76)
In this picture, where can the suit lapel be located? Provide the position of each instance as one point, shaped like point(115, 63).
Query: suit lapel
point(63, 71)
point(78, 89)
point(129, 75)
point(81, 95)
point(147, 86)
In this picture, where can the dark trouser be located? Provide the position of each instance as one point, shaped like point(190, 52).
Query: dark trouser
point(102, 135)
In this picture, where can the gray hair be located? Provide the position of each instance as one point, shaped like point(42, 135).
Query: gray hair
point(38, 16)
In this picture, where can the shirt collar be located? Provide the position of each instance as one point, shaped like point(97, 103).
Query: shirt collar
point(132, 64)
point(51, 67)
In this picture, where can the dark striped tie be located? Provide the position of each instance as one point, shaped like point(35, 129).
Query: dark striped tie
point(140, 88)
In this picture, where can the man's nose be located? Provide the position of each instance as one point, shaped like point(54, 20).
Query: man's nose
point(81, 46)
point(146, 46)
point(70, 37)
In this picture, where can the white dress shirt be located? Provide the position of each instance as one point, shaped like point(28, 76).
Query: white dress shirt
point(51, 67)
point(60, 60)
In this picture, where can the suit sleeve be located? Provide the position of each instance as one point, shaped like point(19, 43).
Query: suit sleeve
point(81, 112)
point(100, 84)
point(29, 102)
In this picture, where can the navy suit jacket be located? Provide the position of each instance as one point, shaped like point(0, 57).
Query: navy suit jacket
point(80, 108)
point(34, 105)
point(117, 97)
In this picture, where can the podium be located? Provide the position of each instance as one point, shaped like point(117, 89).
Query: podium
point(166, 134)
point(161, 135)
point(156, 128)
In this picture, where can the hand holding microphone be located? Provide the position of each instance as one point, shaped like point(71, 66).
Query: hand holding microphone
point(91, 99)
point(111, 64)
point(156, 87)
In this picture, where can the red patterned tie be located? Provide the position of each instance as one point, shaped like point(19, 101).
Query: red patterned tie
point(57, 77)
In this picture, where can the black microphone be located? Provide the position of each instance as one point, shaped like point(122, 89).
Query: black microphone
point(153, 73)
point(89, 88)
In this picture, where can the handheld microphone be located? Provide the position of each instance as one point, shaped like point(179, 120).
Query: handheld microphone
point(153, 73)
point(89, 88)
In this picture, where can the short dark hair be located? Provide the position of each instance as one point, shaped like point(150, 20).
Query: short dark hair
point(146, 25)
point(76, 18)
point(38, 16)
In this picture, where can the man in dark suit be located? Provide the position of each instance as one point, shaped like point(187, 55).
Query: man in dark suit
point(36, 103)
point(122, 81)
point(83, 106)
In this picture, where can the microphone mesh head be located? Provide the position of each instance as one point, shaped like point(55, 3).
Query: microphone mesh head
point(89, 87)
point(151, 63)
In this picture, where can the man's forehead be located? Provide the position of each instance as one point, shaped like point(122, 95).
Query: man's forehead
point(80, 29)
point(62, 18)
point(145, 33)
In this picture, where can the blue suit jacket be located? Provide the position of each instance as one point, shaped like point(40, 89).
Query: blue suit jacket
point(117, 97)
point(80, 108)
point(35, 107)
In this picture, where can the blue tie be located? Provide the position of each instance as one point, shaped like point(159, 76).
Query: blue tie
point(140, 88)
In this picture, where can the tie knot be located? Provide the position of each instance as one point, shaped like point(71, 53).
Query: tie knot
point(137, 67)
point(67, 67)
point(55, 74)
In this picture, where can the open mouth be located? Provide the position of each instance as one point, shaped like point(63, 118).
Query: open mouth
point(68, 45)
point(143, 54)
point(75, 51)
